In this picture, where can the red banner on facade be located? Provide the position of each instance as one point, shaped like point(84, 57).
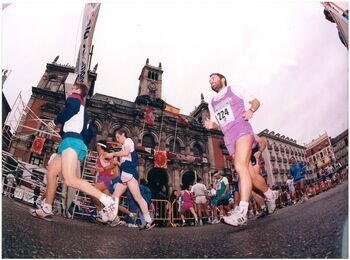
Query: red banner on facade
point(182, 121)
point(149, 118)
point(37, 145)
point(160, 159)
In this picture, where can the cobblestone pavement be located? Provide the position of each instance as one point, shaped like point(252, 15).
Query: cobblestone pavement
point(314, 229)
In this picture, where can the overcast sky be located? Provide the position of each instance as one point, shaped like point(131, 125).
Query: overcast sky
point(286, 54)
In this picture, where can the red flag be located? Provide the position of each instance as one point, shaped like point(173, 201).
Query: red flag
point(149, 118)
point(182, 121)
point(160, 159)
point(37, 145)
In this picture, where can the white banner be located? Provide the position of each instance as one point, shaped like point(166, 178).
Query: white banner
point(19, 193)
point(88, 27)
point(341, 21)
point(28, 196)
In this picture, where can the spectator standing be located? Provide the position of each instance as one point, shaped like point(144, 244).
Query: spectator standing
point(11, 183)
point(213, 204)
point(222, 193)
point(298, 170)
point(200, 194)
point(187, 205)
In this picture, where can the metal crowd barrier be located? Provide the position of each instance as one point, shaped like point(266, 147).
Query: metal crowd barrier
point(175, 213)
point(161, 210)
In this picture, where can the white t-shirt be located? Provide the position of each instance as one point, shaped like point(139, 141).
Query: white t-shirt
point(240, 92)
point(290, 183)
point(127, 143)
point(198, 189)
point(212, 192)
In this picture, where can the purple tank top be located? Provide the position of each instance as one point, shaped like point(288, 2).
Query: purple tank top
point(229, 110)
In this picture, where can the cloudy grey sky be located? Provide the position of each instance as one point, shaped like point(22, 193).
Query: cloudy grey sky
point(284, 53)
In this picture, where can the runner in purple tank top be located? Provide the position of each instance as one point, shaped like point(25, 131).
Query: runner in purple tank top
point(227, 113)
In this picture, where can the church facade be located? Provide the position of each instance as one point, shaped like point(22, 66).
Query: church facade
point(189, 150)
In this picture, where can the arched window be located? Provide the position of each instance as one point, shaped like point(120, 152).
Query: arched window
point(177, 146)
point(51, 83)
point(156, 78)
point(61, 88)
point(197, 150)
point(149, 74)
point(148, 141)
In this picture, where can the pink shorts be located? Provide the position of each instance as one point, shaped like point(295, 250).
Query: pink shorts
point(235, 132)
point(186, 206)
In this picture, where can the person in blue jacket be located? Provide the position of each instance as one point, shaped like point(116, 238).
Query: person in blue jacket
point(298, 171)
point(75, 133)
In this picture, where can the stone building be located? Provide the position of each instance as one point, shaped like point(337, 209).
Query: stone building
point(191, 150)
point(276, 157)
point(320, 154)
point(341, 148)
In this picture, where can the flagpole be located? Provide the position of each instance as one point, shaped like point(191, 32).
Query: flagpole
point(342, 10)
point(144, 122)
point(161, 126)
point(175, 136)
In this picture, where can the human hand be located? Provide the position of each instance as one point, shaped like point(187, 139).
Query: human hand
point(257, 155)
point(248, 115)
point(208, 124)
point(51, 125)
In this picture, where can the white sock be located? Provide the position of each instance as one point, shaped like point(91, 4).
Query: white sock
point(147, 218)
point(244, 205)
point(105, 200)
point(47, 208)
point(269, 194)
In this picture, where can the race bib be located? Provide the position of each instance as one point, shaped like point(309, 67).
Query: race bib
point(224, 114)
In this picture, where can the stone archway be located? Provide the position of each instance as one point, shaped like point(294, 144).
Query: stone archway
point(188, 178)
point(156, 178)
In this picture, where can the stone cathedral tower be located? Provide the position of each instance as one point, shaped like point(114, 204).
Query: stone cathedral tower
point(151, 81)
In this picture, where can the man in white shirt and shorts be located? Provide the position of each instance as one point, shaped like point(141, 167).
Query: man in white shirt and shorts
point(201, 194)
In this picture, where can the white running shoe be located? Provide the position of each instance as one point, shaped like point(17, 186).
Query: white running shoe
point(147, 226)
point(116, 222)
point(237, 218)
point(111, 209)
point(271, 204)
point(103, 216)
point(215, 221)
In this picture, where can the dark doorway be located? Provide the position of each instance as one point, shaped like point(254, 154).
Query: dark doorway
point(156, 179)
point(188, 178)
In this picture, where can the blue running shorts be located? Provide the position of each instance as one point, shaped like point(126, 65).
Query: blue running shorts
point(76, 144)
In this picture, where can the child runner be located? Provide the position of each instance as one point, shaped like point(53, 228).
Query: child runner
point(187, 205)
point(128, 178)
